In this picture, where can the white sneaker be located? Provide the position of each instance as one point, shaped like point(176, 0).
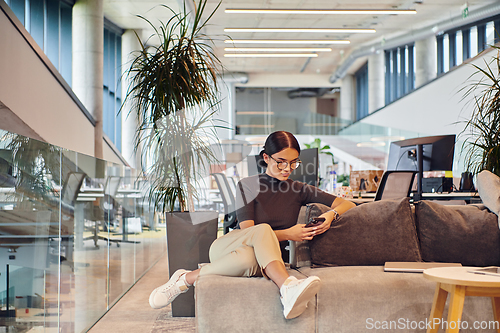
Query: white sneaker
point(295, 294)
point(165, 294)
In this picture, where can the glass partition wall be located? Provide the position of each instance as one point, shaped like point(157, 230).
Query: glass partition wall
point(302, 111)
point(314, 114)
point(75, 234)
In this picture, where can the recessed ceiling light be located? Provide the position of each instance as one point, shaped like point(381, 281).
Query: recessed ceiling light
point(277, 49)
point(284, 41)
point(320, 11)
point(270, 55)
point(317, 30)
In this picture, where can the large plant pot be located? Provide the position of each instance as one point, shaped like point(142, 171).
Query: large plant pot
point(189, 236)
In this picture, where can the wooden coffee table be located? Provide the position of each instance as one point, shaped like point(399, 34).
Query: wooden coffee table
point(460, 283)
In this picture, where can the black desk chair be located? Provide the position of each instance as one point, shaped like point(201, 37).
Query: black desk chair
point(105, 211)
point(395, 185)
point(71, 188)
point(69, 194)
point(143, 205)
point(228, 200)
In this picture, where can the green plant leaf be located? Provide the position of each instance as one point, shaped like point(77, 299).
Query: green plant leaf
point(169, 84)
point(481, 135)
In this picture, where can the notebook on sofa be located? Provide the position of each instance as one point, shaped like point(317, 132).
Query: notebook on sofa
point(415, 267)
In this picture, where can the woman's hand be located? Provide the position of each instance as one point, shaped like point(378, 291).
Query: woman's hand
point(323, 227)
point(299, 232)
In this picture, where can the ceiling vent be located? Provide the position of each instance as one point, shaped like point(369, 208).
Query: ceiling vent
point(309, 92)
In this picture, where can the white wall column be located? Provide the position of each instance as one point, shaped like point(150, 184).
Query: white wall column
point(130, 43)
point(347, 98)
point(376, 81)
point(88, 36)
point(425, 61)
point(225, 116)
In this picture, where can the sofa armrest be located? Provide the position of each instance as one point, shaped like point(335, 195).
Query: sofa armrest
point(299, 254)
point(299, 251)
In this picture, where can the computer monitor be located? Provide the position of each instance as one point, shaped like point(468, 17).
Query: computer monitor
point(430, 153)
point(253, 165)
point(307, 172)
point(437, 153)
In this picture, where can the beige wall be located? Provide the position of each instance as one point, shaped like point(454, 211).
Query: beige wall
point(29, 90)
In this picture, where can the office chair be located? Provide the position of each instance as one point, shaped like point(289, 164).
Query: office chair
point(232, 184)
point(69, 193)
point(105, 211)
point(395, 184)
point(228, 200)
point(70, 190)
point(143, 205)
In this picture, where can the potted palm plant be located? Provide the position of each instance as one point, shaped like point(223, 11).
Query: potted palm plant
point(174, 94)
point(482, 131)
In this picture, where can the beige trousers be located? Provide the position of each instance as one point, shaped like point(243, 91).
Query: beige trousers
point(243, 252)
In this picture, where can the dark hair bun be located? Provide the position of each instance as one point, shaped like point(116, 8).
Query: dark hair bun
point(260, 161)
point(279, 140)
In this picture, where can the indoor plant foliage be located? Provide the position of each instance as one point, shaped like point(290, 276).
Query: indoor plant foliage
point(322, 150)
point(482, 130)
point(170, 84)
point(37, 166)
point(178, 154)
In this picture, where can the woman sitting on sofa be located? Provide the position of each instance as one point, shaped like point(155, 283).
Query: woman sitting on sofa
point(268, 208)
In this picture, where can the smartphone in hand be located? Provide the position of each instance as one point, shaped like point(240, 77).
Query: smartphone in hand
point(315, 221)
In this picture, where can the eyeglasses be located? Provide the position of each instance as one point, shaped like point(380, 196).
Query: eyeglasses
point(283, 164)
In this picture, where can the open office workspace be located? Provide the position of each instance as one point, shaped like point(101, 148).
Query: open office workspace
point(382, 97)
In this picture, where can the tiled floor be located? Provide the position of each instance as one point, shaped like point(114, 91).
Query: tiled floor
point(132, 312)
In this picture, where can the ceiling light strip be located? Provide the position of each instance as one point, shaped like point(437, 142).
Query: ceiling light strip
point(316, 30)
point(370, 144)
point(254, 113)
point(270, 55)
point(284, 41)
point(278, 49)
point(255, 126)
point(322, 11)
point(323, 124)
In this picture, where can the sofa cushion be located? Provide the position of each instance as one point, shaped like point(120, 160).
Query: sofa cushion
point(365, 299)
point(246, 305)
point(369, 234)
point(488, 187)
point(464, 234)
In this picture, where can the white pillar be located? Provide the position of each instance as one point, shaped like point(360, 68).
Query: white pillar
point(88, 36)
point(376, 81)
point(347, 98)
point(425, 61)
point(226, 114)
point(130, 43)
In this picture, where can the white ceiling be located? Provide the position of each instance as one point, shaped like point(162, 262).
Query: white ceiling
point(429, 13)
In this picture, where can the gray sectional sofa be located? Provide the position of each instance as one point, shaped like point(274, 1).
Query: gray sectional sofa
point(356, 294)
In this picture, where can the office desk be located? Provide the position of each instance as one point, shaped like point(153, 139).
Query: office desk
point(92, 194)
point(359, 201)
point(468, 197)
point(129, 198)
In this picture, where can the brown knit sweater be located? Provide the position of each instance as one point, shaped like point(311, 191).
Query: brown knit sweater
point(265, 199)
